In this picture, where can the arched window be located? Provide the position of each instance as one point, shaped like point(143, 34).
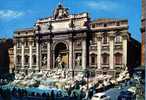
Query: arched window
point(105, 38)
point(18, 59)
point(93, 59)
point(118, 59)
point(34, 59)
point(26, 59)
point(118, 38)
point(105, 59)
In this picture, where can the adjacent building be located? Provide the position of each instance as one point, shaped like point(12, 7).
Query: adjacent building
point(5, 45)
point(143, 33)
point(113, 47)
point(74, 42)
point(11, 60)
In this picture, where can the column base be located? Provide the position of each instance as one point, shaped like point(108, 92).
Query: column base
point(29, 68)
point(111, 68)
point(36, 68)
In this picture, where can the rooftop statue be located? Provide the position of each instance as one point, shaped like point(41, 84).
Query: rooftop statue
point(61, 12)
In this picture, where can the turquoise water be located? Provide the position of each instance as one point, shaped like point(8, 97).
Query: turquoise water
point(35, 89)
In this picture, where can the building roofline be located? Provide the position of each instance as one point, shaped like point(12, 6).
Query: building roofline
point(101, 20)
point(24, 29)
point(51, 17)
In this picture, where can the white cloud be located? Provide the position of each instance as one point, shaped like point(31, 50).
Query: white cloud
point(102, 5)
point(10, 14)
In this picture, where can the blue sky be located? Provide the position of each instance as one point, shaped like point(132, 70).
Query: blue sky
point(15, 14)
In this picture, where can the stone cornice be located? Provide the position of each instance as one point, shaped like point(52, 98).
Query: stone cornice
point(109, 29)
point(70, 37)
point(25, 30)
point(65, 31)
point(75, 16)
point(23, 36)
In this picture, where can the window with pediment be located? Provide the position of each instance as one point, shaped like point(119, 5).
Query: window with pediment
point(26, 58)
point(26, 43)
point(18, 44)
point(118, 38)
point(105, 59)
point(34, 59)
point(105, 38)
point(18, 59)
point(118, 59)
point(93, 59)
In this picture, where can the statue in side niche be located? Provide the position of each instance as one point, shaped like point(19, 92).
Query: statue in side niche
point(78, 60)
point(59, 62)
point(44, 60)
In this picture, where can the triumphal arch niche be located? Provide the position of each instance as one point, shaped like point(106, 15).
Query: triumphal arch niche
point(61, 54)
point(62, 40)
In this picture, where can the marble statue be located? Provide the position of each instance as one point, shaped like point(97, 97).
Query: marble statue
point(78, 60)
point(61, 12)
point(44, 60)
point(59, 61)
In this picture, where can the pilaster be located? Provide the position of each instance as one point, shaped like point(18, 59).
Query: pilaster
point(15, 49)
point(99, 38)
point(48, 55)
point(111, 45)
point(30, 54)
point(84, 53)
point(124, 38)
point(22, 53)
point(70, 54)
point(37, 54)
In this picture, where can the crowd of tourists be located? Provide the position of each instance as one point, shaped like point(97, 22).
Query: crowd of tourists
point(22, 93)
point(73, 93)
point(6, 78)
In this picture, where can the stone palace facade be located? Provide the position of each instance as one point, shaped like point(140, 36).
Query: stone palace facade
point(73, 42)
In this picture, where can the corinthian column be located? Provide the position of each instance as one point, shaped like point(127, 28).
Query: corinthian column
point(22, 54)
point(37, 54)
point(15, 57)
point(48, 55)
point(70, 54)
point(124, 59)
point(99, 50)
point(84, 53)
point(30, 54)
point(111, 45)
